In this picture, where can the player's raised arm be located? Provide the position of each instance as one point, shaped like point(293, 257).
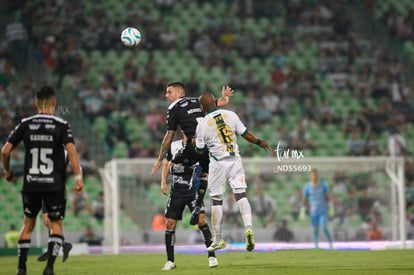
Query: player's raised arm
point(5, 156)
point(226, 93)
point(74, 161)
point(165, 146)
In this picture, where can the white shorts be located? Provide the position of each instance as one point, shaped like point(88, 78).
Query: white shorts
point(229, 170)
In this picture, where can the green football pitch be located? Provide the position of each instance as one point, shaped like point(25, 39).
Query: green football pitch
point(278, 262)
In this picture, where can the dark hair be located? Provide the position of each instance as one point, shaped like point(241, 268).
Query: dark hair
point(44, 93)
point(177, 85)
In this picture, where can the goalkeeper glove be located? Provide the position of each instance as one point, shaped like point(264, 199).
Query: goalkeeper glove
point(302, 213)
point(331, 210)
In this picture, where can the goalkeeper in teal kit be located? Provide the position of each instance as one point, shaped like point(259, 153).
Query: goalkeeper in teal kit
point(317, 199)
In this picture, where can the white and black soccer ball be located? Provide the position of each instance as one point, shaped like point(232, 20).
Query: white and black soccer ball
point(130, 37)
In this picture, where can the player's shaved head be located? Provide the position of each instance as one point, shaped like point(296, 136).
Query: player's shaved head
point(207, 101)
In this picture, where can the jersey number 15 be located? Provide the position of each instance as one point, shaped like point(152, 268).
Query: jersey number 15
point(41, 161)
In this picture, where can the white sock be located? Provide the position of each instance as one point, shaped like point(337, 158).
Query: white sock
point(216, 220)
point(245, 212)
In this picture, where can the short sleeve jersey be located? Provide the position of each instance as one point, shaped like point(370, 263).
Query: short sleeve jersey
point(316, 195)
point(184, 112)
point(218, 132)
point(44, 137)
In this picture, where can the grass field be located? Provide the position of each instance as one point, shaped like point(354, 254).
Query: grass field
point(279, 262)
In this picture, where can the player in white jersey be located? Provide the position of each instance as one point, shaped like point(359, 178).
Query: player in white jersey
point(216, 132)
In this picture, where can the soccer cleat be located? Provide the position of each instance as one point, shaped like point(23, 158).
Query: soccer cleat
point(20, 271)
point(169, 265)
point(212, 262)
point(216, 245)
point(48, 271)
point(42, 257)
point(249, 240)
point(67, 247)
point(195, 215)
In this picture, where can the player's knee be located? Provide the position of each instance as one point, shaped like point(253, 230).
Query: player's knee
point(239, 193)
point(217, 200)
point(171, 224)
point(54, 216)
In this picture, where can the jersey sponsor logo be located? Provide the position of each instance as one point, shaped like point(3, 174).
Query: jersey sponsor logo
point(196, 110)
point(34, 126)
point(30, 178)
point(178, 169)
point(42, 120)
point(41, 137)
point(50, 126)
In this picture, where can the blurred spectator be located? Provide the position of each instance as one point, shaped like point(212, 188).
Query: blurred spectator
point(16, 36)
point(135, 151)
point(98, 207)
point(90, 237)
point(350, 204)
point(159, 220)
point(88, 166)
point(301, 138)
point(263, 205)
point(374, 232)
point(168, 38)
point(295, 202)
point(326, 114)
point(396, 143)
point(372, 146)
point(365, 205)
point(283, 233)
point(11, 237)
point(355, 144)
point(79, 202)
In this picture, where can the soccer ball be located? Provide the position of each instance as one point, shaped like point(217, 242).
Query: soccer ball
point(130, 37)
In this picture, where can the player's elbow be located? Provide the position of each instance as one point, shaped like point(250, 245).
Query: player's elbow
point(6, 150)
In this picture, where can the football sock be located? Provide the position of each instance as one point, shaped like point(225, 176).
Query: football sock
point(316, 236)
point(216, 220)
point(327, 234)
point(201, 192)
point(245, 212)
point(169, 244)
point(55, 242)
point(22, 250)
point(207, 237)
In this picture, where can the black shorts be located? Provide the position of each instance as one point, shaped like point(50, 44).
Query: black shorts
point(54, 203)
point(176, 205)
point(188, 156)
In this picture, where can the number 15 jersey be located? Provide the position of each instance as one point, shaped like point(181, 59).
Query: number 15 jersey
point(44, 137)
point(218, 132)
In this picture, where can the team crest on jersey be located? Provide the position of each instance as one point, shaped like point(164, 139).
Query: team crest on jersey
point(34, 126)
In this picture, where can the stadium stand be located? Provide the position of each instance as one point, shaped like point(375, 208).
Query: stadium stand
point(306, 57)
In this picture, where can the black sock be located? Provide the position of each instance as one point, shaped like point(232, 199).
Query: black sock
point(205, 230)
point(201, 192)
point(169, 244)
point(55, 242)
point(22, 250)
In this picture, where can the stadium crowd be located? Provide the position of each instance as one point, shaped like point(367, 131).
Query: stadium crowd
point(315, 55)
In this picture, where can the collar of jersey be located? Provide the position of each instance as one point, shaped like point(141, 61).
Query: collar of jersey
point(174, 103)
point(212, 110)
